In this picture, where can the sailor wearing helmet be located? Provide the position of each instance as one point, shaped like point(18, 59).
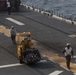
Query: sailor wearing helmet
point(68, 52)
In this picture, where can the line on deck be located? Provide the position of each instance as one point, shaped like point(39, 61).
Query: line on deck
point(10, 65)
point(15, 21)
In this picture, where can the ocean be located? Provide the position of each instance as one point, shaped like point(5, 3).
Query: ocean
point(65, 8)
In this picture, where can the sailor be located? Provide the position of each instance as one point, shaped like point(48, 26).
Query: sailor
point(8, 6)
point(29, 43)
point(68, 52)
point(13, 34)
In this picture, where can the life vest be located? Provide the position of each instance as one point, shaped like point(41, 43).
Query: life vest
point(68, 51)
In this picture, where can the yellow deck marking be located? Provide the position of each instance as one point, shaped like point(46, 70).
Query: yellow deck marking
point(5, 31)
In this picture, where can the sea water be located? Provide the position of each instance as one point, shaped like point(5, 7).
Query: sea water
point(67, 8)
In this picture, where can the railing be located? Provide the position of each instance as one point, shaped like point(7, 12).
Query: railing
point(52, 13)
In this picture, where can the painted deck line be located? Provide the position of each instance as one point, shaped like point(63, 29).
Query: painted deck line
point(56, 73)
point(15, 21)
point(74, 73)
point(65, 68)
point(43, 61)
point(10, 65)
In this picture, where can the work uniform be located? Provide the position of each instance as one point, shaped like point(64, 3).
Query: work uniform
point(23, 48)
point(29, 43)
point(25, 45)
point(13, 34)
point(8, 7)
point(68, 52)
